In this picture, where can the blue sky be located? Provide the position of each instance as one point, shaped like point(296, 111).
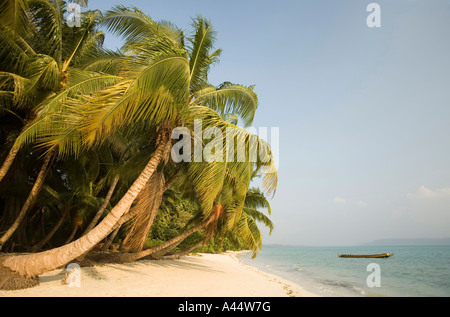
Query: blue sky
point(363, 113)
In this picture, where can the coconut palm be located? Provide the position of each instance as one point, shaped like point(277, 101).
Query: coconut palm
point(164, 85)
point(63, 62)
point(36, 264)
point(233, 210)
point(225, 99)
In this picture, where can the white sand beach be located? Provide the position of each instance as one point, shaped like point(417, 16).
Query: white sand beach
point(201, 275)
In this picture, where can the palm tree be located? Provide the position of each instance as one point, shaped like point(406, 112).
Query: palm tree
point(35, 264)
point(227, 98)
point(164, 85)
point(57, 68)
point(233, 212)
point(47, 62)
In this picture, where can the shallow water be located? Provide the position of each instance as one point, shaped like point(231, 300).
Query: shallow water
point(412, 272)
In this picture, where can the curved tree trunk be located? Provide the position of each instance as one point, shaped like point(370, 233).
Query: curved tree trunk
point(35, 264)
point(160, 254)
point(134, 211)
point(72, 234)
point(115, 229)
point(55, 228)
point(30, 199)
point(129, 257)
point(170, 182)
point(110, 239)
point(99, 213)
point(8, 161)
point(190, 249)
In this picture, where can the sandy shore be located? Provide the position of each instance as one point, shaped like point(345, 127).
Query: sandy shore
point(202, 275)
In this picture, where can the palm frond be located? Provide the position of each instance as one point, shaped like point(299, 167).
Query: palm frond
point(228, 99)
point(140, 31)
point(13, 14)
point(152, 96)
point(249, 232)
point(14, 84)
point(105, 61)
point(199, 56)
point(60, 114)
point(43, 73)
point(260, 217)
point(47, 16)
point(78, 47)
point(14, 51)
point(256, 199)
point(255, 150)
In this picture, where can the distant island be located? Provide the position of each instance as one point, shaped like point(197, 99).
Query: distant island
point(410, 242)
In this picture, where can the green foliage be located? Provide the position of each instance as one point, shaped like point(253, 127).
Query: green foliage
point(102, 112)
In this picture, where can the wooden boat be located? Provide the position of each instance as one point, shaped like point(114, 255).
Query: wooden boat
point(381, 255)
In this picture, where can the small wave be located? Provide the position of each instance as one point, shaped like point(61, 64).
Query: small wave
point(333, 286)
point(297, 267)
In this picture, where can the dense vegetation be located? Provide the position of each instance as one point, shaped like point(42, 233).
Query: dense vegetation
point(85, 137)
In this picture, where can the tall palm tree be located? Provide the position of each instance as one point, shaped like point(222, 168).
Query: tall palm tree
point(225, 99)
point(56, 66)
point(139, 31)
point(164, 85)
point(35, 264)
point(233, 212)
point(47, 61)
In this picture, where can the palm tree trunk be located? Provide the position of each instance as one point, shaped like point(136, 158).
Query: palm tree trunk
point(30, 199)
point(103, 206)
point(129, 257)
point(55, 228)
point(190, 249)
point(72, 234)
point(35, 264)
point(114, 230)
point(170, 182)
point(8, 161)
point(160, 254)
point(110, 239)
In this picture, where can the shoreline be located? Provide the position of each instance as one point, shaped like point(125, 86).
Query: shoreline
point(197, 275)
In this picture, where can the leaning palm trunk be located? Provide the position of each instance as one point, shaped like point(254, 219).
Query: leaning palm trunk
point(35, 264)
point(190, 249)
point(8, 161)
point(209, 224)
point(160, 254)
point(72, 234)
point(30, 199)
point(55, 228)
point(115, 230)
point(102, 208)
point(130, 257)
point(110, 239)
point(128, 215)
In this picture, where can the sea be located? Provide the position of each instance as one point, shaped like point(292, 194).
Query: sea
point(413, 271)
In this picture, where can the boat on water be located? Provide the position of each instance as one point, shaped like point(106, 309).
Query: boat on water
point(381, 255)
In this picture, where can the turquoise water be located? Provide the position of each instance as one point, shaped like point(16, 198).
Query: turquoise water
point(422, 271)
